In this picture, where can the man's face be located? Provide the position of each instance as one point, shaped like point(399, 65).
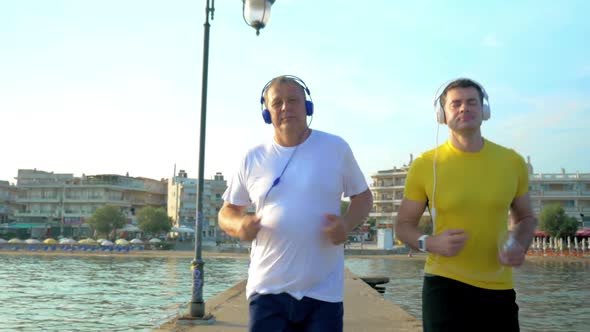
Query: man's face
point(463, 109)
point(286, 103)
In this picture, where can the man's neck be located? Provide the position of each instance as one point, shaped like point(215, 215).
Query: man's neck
point(467, 142)
point(290, 139)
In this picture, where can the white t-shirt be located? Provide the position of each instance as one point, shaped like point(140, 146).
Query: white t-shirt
point(290, 253)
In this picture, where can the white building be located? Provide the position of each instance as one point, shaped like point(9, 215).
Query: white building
point(182, 203)
point(53, 204)
point(569, 190)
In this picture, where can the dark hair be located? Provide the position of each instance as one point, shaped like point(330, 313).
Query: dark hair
point(461, 83)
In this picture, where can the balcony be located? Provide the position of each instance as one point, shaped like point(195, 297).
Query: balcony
point(33, 214)
point(560, 193)
point(38, 200)
point(382, 214)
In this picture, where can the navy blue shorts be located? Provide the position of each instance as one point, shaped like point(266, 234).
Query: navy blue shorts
point(282, 313)
point(450, 305)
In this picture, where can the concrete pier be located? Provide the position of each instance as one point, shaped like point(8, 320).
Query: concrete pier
point(365, 310)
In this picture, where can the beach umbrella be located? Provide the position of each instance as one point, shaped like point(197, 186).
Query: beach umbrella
point(67, 241)
point(122, 242)
point(136, 241)
point(87, 241)
point(155, 240)
point(2, 240)
point(106, 243)
point(32, 241)
point(49, 241)
point(15, 240)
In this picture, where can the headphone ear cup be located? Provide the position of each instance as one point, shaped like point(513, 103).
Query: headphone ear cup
point(486, 112)
point(266, 116)
point(440, 113)
point(309, 107)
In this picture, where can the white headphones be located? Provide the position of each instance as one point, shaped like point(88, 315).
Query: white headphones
point(440, 112)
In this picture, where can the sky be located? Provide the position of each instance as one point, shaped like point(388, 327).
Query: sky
point(114, 87)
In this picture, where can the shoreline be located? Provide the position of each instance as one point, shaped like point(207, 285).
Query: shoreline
point(215, 254)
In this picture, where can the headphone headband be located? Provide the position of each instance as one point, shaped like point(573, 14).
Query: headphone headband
point(308, 103)
point(439, 110)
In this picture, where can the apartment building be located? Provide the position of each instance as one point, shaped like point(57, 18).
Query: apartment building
point(570, 190)
point(8, 206)
point(387, 187)
point(182, 203)
point(53, 204)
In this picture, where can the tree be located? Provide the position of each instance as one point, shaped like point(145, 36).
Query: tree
point(154, 220)
point(556, 223)
point(107, 218)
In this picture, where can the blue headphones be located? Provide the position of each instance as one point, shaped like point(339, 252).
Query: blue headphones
point(308, 103)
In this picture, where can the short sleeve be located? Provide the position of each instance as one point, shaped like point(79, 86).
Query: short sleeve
point(523, 176)
point(237, 190)
point(415, 188)
point(354, 180)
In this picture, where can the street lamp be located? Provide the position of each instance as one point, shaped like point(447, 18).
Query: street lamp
point(256, 13)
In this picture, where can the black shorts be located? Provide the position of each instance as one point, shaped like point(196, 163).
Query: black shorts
point(450, 305)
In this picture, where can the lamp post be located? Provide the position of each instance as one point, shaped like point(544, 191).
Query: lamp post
point(256, 13)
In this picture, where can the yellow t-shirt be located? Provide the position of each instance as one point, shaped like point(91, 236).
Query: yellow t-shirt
point(473, 193)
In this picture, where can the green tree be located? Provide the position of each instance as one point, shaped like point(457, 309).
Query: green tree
point(154, 220)
point(556, 223)
point(107, 218)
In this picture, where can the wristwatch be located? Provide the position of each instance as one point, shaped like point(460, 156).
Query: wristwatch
point(422, 243)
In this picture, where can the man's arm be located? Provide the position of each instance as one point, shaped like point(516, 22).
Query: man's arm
point(447, 243)
point(234, 220)
point(408, 218)
point(524, 221)
point(337, 228)
point(358, 210)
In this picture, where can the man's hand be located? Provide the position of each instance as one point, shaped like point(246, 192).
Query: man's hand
point(335, 229)
point(249, 227)
point(448, 243)
point(512, 255)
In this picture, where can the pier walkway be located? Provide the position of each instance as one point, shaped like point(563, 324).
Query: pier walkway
point(365, 310)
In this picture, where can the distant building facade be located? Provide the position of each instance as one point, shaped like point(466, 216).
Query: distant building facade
point(182, 203)
point(387, 187)
point(52, 204)
point(569, 190)
point(8, 206)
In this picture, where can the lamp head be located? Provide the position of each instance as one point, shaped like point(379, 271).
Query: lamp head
point(256, 13)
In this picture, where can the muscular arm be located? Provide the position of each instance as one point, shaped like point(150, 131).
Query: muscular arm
point(408, 217)
point(524, 221)
point(234, 220)
point(447, 243)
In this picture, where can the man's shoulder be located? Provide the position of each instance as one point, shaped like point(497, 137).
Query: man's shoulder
point(258, 148)
point(503, 150)
point(328, 138)
point(428, 156)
